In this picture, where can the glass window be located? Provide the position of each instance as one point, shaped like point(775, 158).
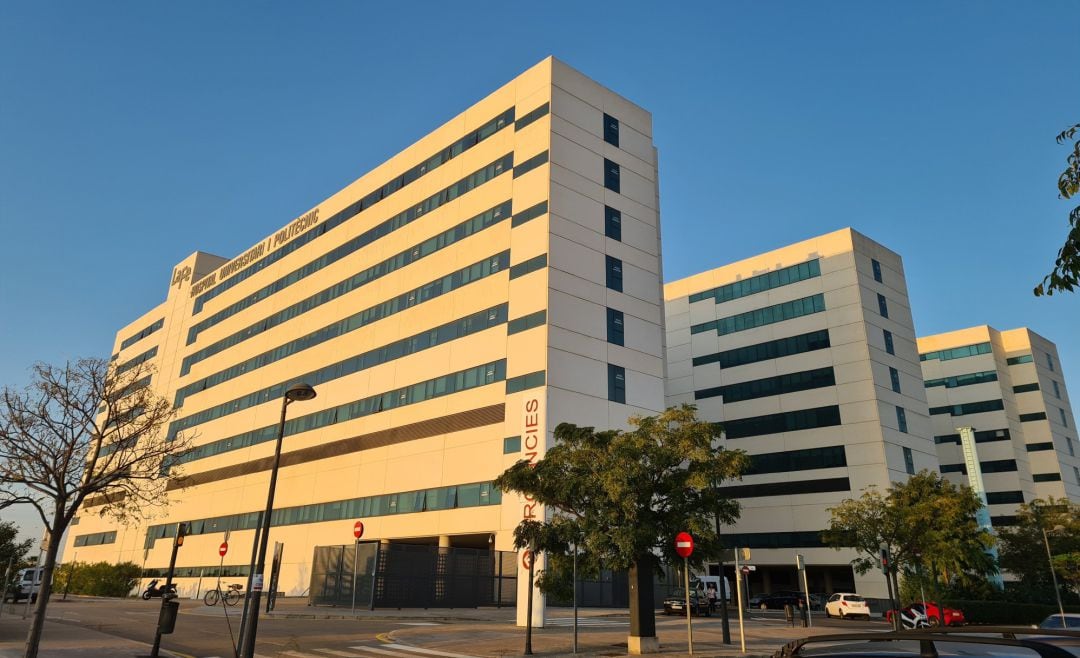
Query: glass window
point(901, 419)
point(894, 377)
point(616, 383)
point(760, 283)
point(1064, 421)
point(511, 445)
point(1046, 477)
point(1016, 360)
point(1057, 389)
point(612, 223)
point(877, 270)
point(883, 306)
point(612, 174)
point(889, 347)
point(909, 461)
point(611, 130)
point(615, 326)
point(1050, 362)
point(614, 268)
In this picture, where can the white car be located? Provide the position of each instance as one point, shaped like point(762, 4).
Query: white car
point(847, 605)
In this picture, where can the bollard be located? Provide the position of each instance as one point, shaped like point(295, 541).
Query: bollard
point(789, 614)
point(804, 614)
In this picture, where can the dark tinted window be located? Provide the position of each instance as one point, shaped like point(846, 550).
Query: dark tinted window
point(889, 342)
point(883, 306)
point(611, 176)
point(614, 273)
point(611, 130)
point(877, 270)
point(612, 223)
point(614, 326)
point(616, 386)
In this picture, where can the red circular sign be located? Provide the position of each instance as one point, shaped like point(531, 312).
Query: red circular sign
point(223, 549)
point(358, 529)
point(684, 544)
point(744, 570)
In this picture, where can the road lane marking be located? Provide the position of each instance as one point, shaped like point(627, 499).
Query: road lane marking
point(430, 652)
point(343, 654)
point(384, 652)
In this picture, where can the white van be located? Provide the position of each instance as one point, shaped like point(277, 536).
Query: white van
point(27, 583)
point(702, 583)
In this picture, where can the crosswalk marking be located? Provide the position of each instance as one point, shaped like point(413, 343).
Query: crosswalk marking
point(585, 621)
point(343, 654)
point(299, 654)
point(414, 650)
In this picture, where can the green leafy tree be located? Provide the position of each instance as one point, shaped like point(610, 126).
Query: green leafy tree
point(928, 524)
point(1023, 549)
point(12, 551)
point(622, 496)
point(1066, 273)
point(89, 428)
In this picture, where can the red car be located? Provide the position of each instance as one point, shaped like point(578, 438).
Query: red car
point(935, 614)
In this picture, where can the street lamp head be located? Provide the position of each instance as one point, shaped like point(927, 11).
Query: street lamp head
point(300, 392)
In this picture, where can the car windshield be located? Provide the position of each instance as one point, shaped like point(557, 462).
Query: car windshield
point(1054, 621)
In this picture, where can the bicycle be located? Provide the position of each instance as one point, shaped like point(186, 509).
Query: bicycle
point(231, 595)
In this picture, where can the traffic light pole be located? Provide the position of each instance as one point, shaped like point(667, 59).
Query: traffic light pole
point(178, 541)
point(725, 625)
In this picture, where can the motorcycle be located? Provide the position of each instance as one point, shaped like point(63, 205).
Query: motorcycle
point(153, 591)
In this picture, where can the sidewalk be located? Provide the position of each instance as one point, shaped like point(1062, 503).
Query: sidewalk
point(65, 640)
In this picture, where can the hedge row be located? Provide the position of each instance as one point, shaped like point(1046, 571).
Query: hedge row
point(1005, 613)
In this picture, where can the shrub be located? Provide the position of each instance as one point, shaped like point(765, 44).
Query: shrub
point(97, 578)
point(1001, 613)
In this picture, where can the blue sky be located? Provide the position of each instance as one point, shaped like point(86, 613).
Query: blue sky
point(134, 133)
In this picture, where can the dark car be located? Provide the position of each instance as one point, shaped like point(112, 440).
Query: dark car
point(675, 603)
point(778, 600)
point(942, 642)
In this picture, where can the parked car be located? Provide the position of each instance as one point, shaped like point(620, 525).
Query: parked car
point(675, 603)
point(845, 604)
point(27, 584)
point(936, 615)
point(777, 600)
point(1072, 620)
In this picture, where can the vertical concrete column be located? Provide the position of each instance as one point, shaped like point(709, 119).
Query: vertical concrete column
point(442, 559)
point(828, 581)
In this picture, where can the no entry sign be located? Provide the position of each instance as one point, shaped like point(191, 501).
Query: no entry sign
point(223, 549)
point(358, 529)
point(684, 544)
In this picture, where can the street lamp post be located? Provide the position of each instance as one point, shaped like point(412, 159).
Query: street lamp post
point(298, 392)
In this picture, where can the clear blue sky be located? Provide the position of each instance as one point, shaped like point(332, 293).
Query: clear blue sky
point(134, 133)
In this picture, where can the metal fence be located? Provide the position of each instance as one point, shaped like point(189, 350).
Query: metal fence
point(412, 576)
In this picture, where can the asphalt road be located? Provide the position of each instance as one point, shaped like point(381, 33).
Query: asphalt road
point(204, 632)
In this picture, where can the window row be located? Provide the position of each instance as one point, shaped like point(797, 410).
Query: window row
point(530, 213)
point(131, 340)
point(463, 230)
point(968, 408)
point(797, 460)
point(433, 388)
point(963, 380)
point(525, 382)
point(96, 539)
point(995, 466)
point(435, 288)
point(526, 322)
point(821, 485)
point(1046, 477)
point(530, 164)
point(1026, 388)
point(477, 494)
point(1004, 497)
point(773, 349)
point(529, 266)
point(208, 571)
point(443, 156)
point(1039, 415)
point(763, 316)
point(531, 116)
point(790, 421)
point(469, 227)
point(957, 352)
point(794, 539)
point(398, 349)
point(770, 386)
point(760, 283)
point(1040, 447)
point(983, 436)
point(136, 361)
point(1017, 360)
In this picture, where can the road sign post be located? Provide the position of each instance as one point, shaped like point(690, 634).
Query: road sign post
point(358, 532)
point(738, 592)
point(800, 562)
point(684, 546)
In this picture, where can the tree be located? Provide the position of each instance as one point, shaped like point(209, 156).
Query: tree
point(624, 495)
point(1066, 273)
point(1023, 551)
point(89, 428)
point(927, 523)
point(98, 578)
point(12, 551)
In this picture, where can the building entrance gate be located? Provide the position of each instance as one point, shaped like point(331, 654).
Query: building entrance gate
point(412, 576)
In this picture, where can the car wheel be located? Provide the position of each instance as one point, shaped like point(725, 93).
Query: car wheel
point(841, 614)
point(827, 615)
